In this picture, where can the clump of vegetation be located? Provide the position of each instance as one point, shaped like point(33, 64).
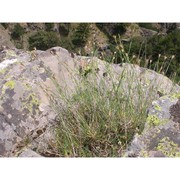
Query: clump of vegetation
point(148, 26)
point(81, 35)
point(111, 29)
point(159, 53)
point(64, 28)
point(99, 119)
point(119, 28)
point(17, 32)
point(49, 26)
point(165, 51)
point(43, 40)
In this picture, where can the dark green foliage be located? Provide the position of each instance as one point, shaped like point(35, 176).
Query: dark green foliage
point(64, 28)
point(43, 40)
point(154, 45)
point(119, 28)
point(111, 29)
point(81, 34)
point(160, 49)
point(66, 43)
point(163, 50)
point(148, 26)
point(171, 43)
point(168, 27)
point(171, 27)
point(167, 46)
point(137, 46)
point(49, 26)
point(17, 32)
point(5, 25)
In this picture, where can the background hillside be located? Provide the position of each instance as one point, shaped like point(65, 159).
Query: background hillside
point(145, 43)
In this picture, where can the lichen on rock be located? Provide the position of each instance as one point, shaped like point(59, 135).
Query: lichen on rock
point(153, 120)
point(168, 148)
point(31, 103)
point(161, 136)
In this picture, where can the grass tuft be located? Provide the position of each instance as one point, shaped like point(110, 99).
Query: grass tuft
point(103, 113)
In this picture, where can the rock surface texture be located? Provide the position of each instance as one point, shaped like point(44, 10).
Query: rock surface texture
point(161, 135)
point(5, 38)
point(27, 119)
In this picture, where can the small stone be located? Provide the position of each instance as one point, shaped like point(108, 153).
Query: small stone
point(9, 116)
point(41, 107)
point(29, 153)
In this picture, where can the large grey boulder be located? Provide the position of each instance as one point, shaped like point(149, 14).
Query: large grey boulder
point(29, 78)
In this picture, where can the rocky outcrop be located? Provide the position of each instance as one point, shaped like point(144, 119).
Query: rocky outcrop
point(147, 32)
point(161, 135)
point(5, 39)
point(28, 80)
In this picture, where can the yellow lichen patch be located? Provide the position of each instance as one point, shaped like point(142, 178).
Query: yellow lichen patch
point(2, 71)
point(157, 107)
point(143, 153)
point(176, 95)
point(32, 101)
point(148, 82)
point(168, 148)
point(10, 84)
point(153, 120)
point(10, 53)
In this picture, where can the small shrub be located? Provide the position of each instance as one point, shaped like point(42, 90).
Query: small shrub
point(119, 28)
point(17, 32)
point(148, 26)
point(49, 26)
point(81, 35)
point(64, 28)
point(166, 47)
point(66, 43)
point(111, 29)
point(43, 40)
